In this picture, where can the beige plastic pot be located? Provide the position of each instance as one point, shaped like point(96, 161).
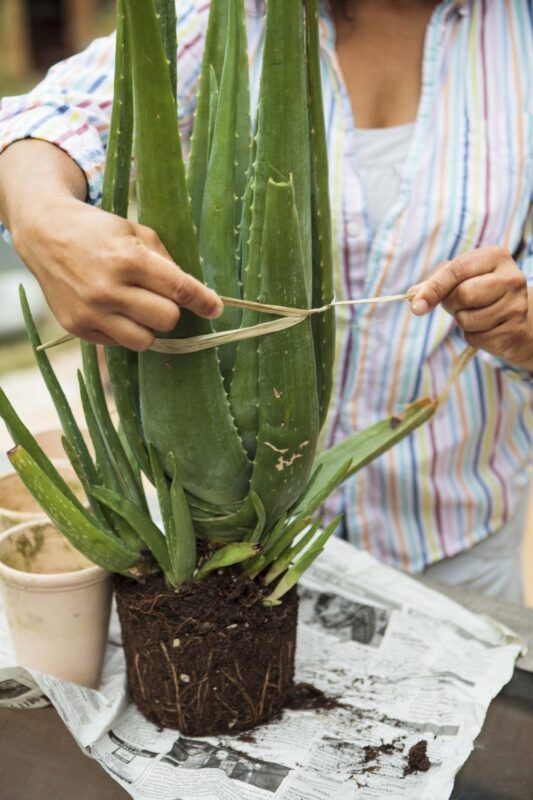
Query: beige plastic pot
point(16, 503)
point(57, 603)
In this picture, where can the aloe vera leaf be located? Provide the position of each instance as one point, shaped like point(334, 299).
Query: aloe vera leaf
point(183, 400)
point(323, 289)
point(182, 539)
point(364, 446)
point(122, 468)
point(75, 524)
point(213, 59)
point(213, 106)
point(233, 553)
point(205, 509)
point(288, 407)
point(22, 436)
point(104, 463)
point(243, 150)
point(104, 516)
point(64, 412)
point(122, 365)
point(294, 573)
point(77, 465)
point(217, 228)
point(259, 509)
point(139, 521)
point(292, 576)
point(162, 486)
point(115, 191)
point(166, 10)
point(282, 149)
point(285, 559)
point(256, 564)
point(105, 466)
point(245, 517)
point(275, 547)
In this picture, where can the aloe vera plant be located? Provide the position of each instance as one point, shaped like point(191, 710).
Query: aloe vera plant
point(228, 436)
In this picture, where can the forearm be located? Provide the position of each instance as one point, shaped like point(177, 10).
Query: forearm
point(33, 175)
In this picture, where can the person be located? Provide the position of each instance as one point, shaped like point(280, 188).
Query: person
point(430, 132)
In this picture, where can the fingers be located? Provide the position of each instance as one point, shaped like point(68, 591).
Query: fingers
point(155, 271)
point(506, 309)
point(116, 329)
point(148, 309)
point(478, 292)
point(450, 275)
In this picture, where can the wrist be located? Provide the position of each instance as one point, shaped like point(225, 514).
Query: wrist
point(41, 222)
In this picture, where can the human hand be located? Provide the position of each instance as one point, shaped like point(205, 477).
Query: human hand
point(488, 295)
point(108, 280)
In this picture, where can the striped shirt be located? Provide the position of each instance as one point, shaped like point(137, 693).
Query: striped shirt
point(467, 182)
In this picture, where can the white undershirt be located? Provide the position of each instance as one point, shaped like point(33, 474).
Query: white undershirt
point(381, 155)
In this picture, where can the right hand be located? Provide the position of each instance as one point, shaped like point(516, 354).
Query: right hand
point(108, 280)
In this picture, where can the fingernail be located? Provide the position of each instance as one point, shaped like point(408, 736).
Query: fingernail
point(420, 307)
point(215, 311)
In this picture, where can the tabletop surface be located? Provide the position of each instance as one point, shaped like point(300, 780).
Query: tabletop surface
point(39, 759)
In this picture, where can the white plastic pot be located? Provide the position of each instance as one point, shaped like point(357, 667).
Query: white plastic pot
point(16, 503)
point(57, 603)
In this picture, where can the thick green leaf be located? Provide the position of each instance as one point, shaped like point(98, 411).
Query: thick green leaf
point(227, 556)
point(282, 149)
point(323, 290)
point(363, 447)
point(55, 390)
point(122, 365)
point(182, 539)
point(287, 399)
point(212, 61)
point(167, 22)
point(74, 522)
point(218, 247)
point(139, 521)
point(22, 436)
point(183, 401)
point(128, 479)
point(115, 192)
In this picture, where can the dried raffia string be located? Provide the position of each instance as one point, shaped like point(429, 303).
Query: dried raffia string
point(287, 318)
point(459, 365)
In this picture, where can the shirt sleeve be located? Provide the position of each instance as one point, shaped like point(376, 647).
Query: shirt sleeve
point(71, 107)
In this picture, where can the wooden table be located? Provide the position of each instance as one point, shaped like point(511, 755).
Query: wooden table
point(39, 759)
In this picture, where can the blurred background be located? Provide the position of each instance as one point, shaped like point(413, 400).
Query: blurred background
point(34, 34)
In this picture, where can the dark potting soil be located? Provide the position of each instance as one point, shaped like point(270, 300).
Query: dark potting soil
point(209, 658)
point(373, 752)
point(417, 759)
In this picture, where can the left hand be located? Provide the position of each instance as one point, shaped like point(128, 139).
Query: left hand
point(488, 295)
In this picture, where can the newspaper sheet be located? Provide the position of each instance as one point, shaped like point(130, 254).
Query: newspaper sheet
point(405, 664)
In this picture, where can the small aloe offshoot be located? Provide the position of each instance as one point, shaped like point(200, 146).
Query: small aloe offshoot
point(228, 436)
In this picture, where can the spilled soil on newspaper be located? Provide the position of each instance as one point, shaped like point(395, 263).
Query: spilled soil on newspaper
point(417, 759)
point(209, 658)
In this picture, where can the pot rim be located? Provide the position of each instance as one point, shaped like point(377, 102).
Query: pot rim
point(19, 517)
point(47, 581)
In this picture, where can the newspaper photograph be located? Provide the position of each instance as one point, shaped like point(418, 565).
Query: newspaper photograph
point(393, 684)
